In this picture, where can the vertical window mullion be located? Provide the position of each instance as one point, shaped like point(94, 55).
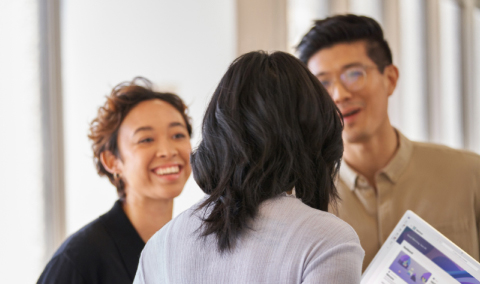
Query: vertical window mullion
point(471, 117)
point(391, 28)
point(52, 125)
point(434, 63)
point(339, 6)
point(476, 75)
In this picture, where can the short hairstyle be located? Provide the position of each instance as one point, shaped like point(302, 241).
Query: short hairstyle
point(270, 126)
point(346, 29)
point(123, 98)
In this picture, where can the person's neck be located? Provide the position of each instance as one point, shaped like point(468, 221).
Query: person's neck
point(370, 156)
point(147, 215)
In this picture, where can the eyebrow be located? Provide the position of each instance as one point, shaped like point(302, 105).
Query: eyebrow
point(174, 124)
point(149, 128)
point(354, 64)
point(143, 128)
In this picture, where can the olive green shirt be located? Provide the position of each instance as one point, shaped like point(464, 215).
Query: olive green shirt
point(440, 184)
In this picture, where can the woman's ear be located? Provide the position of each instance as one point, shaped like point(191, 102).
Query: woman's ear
point(110, 162)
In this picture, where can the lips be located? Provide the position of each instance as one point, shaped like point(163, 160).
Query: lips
point(350, 112)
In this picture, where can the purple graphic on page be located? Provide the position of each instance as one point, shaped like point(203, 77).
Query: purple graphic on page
point(425, 277)
point(408, 269)
point(457, 272)
point(404, 261)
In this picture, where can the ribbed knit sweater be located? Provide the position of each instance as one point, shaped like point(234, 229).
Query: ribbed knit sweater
point(289, 242)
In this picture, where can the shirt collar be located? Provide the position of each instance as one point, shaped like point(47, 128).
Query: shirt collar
point(126, 239)
point(348, 175)
point(392, 170)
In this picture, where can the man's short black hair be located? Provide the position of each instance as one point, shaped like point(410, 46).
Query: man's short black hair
point(346, 29)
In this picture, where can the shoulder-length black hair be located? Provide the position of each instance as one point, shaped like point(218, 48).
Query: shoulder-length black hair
point(269, 127)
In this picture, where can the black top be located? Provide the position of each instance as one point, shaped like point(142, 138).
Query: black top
point(105, 251)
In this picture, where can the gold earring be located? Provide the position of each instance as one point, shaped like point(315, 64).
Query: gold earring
point(116, 176)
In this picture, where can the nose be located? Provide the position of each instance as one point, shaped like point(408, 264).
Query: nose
point(166, 149)
point(339, 93)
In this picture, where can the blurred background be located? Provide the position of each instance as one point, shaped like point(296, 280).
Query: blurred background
point(59, 58)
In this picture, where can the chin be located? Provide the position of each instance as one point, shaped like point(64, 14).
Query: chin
point(354, 137)
point(172, 193)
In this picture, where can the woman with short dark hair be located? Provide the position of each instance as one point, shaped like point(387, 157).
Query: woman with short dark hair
point(141, 142)
point(271, 149)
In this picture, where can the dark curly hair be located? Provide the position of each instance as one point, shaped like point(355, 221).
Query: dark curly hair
point(123, 98)
point(346, 29)
point(269, 127)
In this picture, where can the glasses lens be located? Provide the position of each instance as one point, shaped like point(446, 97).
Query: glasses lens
point(354, 78)
point(326, 82)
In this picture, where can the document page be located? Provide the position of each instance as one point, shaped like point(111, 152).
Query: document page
point(412, 259)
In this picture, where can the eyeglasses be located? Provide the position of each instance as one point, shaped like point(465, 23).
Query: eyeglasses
point(353, 78)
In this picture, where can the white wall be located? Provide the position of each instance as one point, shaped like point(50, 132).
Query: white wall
point(184, 46)
point(22, 235)
point(301, 15)
point(451, 73)
point(412, 83)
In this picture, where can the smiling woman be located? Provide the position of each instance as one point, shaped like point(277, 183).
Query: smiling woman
point(141, 142)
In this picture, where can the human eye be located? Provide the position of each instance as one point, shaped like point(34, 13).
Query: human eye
point(145, 140)
point(325, 82)
point(179, 136)
point(354, 74)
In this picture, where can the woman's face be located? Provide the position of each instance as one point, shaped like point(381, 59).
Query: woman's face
point(154, 148)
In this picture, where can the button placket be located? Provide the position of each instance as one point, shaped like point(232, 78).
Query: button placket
point(366, 195)
point(384, 204)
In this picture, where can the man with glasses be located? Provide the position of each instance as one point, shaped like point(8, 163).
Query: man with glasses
point(383, 173)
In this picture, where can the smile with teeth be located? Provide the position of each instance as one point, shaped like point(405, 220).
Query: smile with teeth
point(168, 170)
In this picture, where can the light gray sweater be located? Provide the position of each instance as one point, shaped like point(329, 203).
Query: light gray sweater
point(290, 243)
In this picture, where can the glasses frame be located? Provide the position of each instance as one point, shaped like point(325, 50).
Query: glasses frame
point(338, 77)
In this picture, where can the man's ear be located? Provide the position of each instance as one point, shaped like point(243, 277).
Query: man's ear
point(110, 162)
point(391, 73)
